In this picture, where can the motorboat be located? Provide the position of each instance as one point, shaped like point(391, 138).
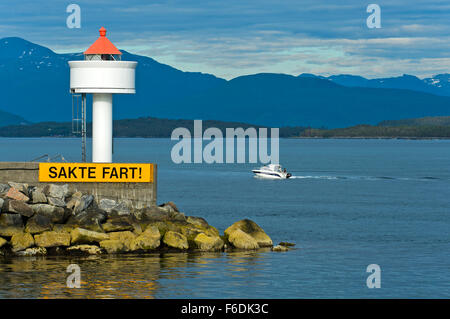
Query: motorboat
point(272, 171)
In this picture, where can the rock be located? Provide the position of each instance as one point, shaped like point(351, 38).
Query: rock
point(84, 236)
point(56, 191)
point(149, 239)
point(151, 214)
point(21, 241)
point(85, 249)
point(74, 200)
point(280, 248)
point(80, 204)
point(38, 224)
point(208, 243)
point(21, 187)
point(121, 209)
point(56, 201)
point(38, 196)
point(15, 194)
point(2, 201)
point(90, 219)
point(197, 221)
point(52, 239)
point(175, 240)
point(107, 204)
point(241, 240)
point(57, 215)
point(4, 188)
point(19, 207)
point(170, 207)
point(35, 251)
point(252, 229)
point(10, 224)
point(117, 224)
point(124, 236)
point(2, 242)
point(114, 246)
point(286, 244)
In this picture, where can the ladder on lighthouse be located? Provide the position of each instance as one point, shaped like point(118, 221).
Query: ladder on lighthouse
point(79, 120)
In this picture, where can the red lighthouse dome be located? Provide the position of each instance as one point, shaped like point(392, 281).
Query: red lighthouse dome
point(102, 46)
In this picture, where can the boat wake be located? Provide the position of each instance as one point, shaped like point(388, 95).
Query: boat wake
point(368, 178)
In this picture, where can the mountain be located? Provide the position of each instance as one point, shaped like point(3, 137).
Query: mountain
point(424, 121)
point(439, 84)
point(284, 100)
point(7, 118)
point(140, 127)
point(35, 81)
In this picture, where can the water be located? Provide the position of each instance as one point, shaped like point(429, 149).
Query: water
point(350, 203)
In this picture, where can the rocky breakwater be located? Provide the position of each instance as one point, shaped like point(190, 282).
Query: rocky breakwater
point(53, 220)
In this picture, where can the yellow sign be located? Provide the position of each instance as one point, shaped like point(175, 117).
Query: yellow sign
point(96, 172)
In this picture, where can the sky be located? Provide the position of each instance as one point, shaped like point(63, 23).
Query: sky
point(230, 38)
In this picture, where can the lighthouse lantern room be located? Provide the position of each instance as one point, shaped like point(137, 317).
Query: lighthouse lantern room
point(102, 74)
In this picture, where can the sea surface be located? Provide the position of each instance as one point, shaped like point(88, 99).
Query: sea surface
point(350, 203)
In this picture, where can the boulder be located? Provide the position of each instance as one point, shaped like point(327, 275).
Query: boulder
point(2, 242)
point(79, 204)
point(38, 224)
point(18, 206)
point(21, 187)
point(175, 240)
point(170, 207)
point(14, 193)
point(2, 201)
point(122, 209)
point(84, 236)
point(241, 240)
point(252, 229)
point(107, 204)
point(114, 246)
point(124, 236)
point(56, 201)
point(38, 196)
point(52, 239)
point(10, 224)
point(208, 243)
point(21, 241)
point(117, 223)
point(84, 249)
point(197, 221)
point(56, 191)
point(280, 248)
point(149, 239)
point(4, 188)
point(90, 219)
point(286, 244)
point(57, 215)
point(35, 251)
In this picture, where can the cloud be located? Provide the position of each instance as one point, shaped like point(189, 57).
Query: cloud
point(235, 37)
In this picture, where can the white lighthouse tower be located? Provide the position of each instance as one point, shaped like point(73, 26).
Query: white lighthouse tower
point(102, 73)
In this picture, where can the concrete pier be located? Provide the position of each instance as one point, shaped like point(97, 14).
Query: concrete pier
point(139, 194)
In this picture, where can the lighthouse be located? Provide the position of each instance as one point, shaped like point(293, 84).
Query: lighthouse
point(102, 74)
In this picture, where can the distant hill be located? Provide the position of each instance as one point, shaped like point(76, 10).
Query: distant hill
point(34, 82)
point(7, 118)
point(425, 121)
point(438, 84)
point(154, 127)
point(141, 127)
